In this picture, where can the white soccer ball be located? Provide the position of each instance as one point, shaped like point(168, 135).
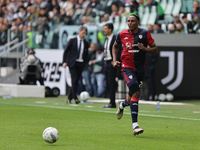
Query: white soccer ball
point(161, 97)
point(84, 96)
point(169, 97)
point(50, 135)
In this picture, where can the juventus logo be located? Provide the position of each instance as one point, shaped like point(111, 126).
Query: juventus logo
point(171, 69)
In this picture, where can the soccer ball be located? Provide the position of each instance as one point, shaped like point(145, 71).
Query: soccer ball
point(169, 97)
point(50, 135)
point(84, 96)
point(161, 97)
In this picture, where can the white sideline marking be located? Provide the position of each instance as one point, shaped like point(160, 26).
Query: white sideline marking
point(140, 102)
point(73, 108)
point(40, 102)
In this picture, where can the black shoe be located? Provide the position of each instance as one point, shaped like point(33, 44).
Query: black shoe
point(69, 101)
point(77, 101)
point(109, 106)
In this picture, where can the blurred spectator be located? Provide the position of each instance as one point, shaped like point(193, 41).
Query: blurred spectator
point(79, 4)
point(86, 74)
point(10, 14)
point(176, 19)
point(2, 3)
point(98, 62)
point(172, 28)
point(69, 8)
point(42, 15)
point(131, 5)
point(1, 20)
point(3, 33)
point(179, 28)
point(142, 3)
point(157, 28)
point(63, 17)
point(90, 67)
point(13, 5)
point(196, 23)
point(123, 11)
point(104, 20)
point(115, 11)
point(6, 22)
point(8, 4)
point(56, 15)
point(196, 8)
point(34, 14)
point(23, 14)
point(95, 4)
point(150, 28)
point(187, 23)
point(20, 3)
point(49, 6)
point(27, 3)
point(84, 20)
point(160, 10)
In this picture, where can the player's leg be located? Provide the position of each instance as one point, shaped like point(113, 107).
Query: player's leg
point(135, 92)
point(127, 73)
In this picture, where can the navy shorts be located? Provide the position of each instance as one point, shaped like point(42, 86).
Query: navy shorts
point(131, 77)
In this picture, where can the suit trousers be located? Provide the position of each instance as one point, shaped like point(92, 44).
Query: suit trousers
point(111, 84)
point(75, 72)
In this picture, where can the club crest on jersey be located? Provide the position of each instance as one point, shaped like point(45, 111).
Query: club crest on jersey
point(140, 36)
point(130, 77)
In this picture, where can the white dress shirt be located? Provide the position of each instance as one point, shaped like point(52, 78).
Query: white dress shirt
point(80, 59)
point(107, 48)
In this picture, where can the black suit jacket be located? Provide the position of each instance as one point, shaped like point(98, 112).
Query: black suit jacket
point(71, 50)
point(111, 44)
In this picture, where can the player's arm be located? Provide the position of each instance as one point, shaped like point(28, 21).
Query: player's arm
point(66, 51)
point(152, 49)
point(115, 50)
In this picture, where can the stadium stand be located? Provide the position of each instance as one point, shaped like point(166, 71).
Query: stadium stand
point(42, 29)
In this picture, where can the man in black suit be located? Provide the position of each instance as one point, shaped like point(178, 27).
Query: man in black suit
point(75, 57)
point(109, 71)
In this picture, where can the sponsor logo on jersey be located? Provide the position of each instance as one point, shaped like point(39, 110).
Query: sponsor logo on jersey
point(125, 38)
point(133, 51)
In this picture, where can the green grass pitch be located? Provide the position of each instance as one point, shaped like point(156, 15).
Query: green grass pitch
point(88, 126)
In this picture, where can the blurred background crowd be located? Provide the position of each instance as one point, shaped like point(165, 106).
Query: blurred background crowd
point(45, 17)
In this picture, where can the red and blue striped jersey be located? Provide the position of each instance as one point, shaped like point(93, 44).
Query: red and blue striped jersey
point(131, 56)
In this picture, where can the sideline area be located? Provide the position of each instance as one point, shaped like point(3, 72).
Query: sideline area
point(140, 102)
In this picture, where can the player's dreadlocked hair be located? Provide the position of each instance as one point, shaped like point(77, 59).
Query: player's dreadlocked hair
point(136, 16)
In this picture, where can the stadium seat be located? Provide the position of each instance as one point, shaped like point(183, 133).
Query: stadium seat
point(163, 3)
point(189, 16)
point(164, 27)
point(145, 17)
point(169, 7)
point(116, 24)
point(181, 15)
point(123, 24)
point(97, 19)
point(140, 11)
point(189, 4)
point(177, 7)
point(152, 16)
point(184, 6)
